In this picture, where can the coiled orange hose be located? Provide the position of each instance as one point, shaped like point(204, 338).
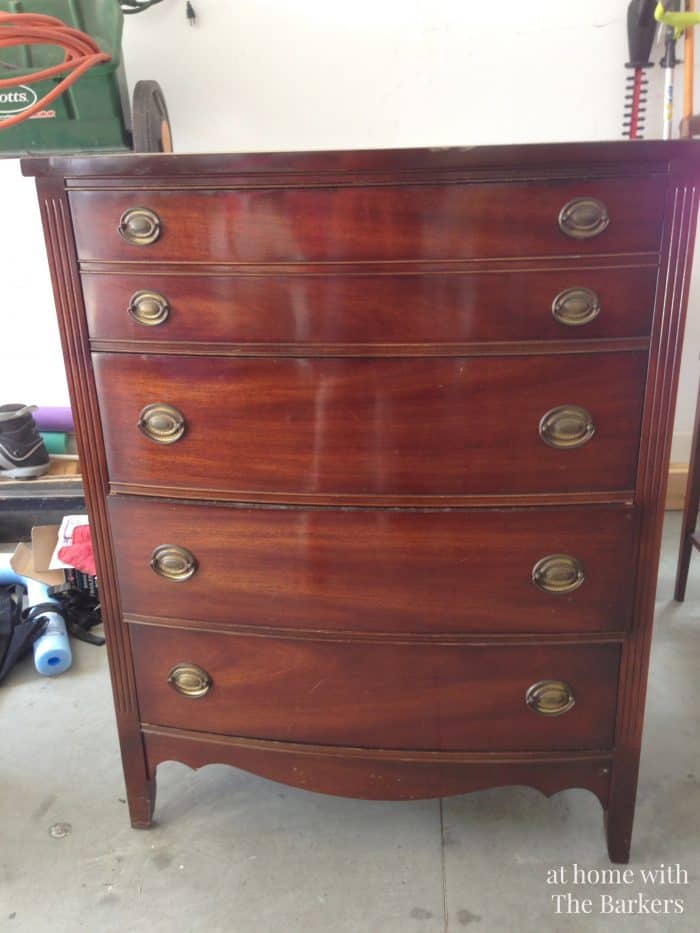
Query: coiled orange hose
point(81, 54)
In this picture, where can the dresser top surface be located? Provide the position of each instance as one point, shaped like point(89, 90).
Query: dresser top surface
point(654, 155)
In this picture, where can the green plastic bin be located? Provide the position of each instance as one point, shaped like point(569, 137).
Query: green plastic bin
point(94, 113)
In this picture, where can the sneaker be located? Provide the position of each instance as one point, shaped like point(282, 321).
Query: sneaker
point(22, 451)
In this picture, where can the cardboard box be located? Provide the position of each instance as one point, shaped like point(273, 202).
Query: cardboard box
point(33, 561)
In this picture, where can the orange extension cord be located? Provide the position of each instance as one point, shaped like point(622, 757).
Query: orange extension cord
point(82, 53)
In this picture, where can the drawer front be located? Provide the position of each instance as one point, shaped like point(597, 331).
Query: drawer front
point(439, 308)
point(388, 696)
point(373, 427)
point(378, 571)
point(411, 222)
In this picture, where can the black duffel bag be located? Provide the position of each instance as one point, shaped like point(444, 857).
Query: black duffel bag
point(18, 630)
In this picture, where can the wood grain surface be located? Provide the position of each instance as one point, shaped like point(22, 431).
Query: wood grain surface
point(376, 571)
point(392, 311)
point(380, 774)
point(418, 222)
point(365, 309)
point(402, 426)
point(393, 696)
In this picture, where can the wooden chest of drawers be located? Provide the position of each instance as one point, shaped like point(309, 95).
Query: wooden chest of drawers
point(375, 448)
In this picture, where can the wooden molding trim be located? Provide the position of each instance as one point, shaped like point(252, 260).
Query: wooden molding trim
point(652, 479)
point(381, 774)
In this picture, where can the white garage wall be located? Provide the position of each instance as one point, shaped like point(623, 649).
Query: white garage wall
point(257, 75)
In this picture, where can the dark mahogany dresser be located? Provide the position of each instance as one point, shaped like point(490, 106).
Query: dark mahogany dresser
point(375, 447)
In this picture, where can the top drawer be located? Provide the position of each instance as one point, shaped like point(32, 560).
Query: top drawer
point(411, 222)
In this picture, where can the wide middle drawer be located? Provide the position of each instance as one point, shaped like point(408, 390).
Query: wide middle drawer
point(546, 571)
point(372, 427)
point(383, 696)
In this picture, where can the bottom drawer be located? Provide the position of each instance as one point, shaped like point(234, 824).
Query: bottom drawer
point(376, 695)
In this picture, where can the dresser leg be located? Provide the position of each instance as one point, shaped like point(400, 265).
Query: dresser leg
point(139, 779)
point(141, 804)
point(618, 829)
point(619, 816)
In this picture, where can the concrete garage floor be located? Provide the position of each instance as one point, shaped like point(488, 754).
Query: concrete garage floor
point(233, 853)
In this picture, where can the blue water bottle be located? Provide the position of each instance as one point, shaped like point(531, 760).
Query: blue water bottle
point(52, 654)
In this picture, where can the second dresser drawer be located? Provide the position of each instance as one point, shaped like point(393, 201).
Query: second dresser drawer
point(378, 695)
point(546, 571)
point(372, 427)
point(436, 308)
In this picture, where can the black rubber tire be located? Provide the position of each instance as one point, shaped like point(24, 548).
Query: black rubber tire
point(151, 123)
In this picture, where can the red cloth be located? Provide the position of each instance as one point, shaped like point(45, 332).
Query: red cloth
point(79, 553)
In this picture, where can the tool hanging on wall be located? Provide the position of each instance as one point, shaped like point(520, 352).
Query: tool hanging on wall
point(689, 124)
point(676, 22)
point(667, 13)
point(641, 28)
point(668, 63)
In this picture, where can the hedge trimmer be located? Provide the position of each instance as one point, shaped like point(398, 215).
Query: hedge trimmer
point(641, 28)
point(642, 19)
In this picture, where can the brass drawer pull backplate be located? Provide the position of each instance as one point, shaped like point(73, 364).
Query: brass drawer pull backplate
point(173, 562)
point(161, 423)
point(139, 226)
point(148, 308)
point(558, 573)
point(189, 680)
point(566, 426)
point(550, 697)
point(583, 218)
point(576, 306)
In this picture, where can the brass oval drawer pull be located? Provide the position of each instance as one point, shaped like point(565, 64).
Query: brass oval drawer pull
point(550, 697)
point(173, 562)
point(566, 426)
point(576, 306)
point(583, 218)
point(139, 226)
point(189, 680)
point(558, 573)
point(161, 423)
point(148, 308)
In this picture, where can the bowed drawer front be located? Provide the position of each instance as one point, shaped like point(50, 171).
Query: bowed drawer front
point(445, 307)
point(398, 696)
point(416, 222)
point(373, 427)
point(375, 449)
point(367, 570)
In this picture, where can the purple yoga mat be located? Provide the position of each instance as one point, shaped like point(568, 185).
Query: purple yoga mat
point(54, 419)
